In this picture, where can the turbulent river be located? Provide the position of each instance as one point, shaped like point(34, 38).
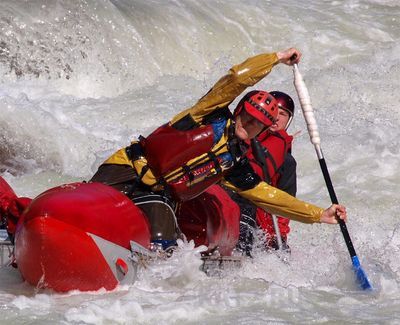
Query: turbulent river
point(80, 79)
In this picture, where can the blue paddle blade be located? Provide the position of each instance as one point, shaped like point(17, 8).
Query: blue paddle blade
point(361, 276)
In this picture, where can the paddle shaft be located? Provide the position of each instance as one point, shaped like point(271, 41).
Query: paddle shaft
point(312, 127)
point(334, 200)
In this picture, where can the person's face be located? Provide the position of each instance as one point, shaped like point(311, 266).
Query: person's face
point(247, 127)
point(281, 121)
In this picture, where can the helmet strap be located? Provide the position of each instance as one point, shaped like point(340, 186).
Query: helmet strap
point(289, 121)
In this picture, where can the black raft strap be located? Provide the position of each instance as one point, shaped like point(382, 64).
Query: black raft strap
point(187, 170)
point(217, 165)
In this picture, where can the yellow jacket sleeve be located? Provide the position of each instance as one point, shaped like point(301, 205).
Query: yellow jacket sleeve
point(278, 202)
point(230, 86)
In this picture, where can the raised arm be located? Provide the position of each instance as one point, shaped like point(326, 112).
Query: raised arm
point(239, 77)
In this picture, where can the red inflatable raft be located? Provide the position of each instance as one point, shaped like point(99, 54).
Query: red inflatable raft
point(87, 236)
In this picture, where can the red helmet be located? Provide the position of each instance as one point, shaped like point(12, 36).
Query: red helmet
point(260, 105)
point(286, 103)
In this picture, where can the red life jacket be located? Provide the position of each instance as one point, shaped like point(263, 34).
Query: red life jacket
point(186, 161)
point(277, 145)
point(168, 148)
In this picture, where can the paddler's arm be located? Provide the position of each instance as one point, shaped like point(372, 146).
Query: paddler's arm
point(278, 202)
point(230, 86)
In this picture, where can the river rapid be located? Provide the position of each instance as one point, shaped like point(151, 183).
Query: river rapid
point(80, 79)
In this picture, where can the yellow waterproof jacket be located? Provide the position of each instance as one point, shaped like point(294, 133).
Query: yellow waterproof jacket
point(226, 90)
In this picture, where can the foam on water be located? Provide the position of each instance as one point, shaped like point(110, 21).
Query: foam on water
point(80, 79)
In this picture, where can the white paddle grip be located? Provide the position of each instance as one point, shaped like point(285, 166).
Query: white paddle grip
point(305, 103)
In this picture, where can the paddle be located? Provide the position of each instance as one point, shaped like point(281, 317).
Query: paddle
point(312, 128)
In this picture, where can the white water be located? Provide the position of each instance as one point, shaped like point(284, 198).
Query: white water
point(79, 79)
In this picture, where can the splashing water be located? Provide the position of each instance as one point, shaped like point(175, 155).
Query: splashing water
point(80, 79)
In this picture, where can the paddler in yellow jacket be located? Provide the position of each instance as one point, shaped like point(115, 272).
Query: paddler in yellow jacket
point(203, 145)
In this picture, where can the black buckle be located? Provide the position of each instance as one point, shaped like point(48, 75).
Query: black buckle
point(134, 151)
